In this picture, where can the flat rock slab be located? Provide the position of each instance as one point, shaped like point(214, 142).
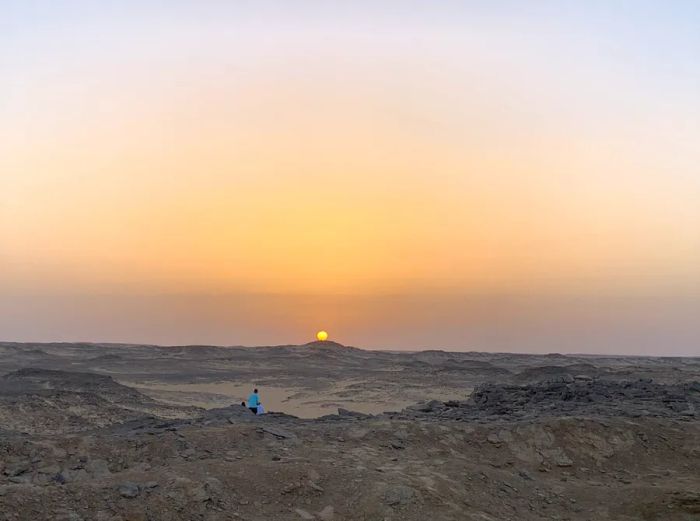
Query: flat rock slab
point(277, 432)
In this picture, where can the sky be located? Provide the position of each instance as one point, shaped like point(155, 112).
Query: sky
point(474, 175)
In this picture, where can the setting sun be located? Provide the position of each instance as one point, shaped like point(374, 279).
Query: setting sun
point(322, 336)
point(478, 175)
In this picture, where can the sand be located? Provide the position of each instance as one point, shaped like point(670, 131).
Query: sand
point(297, 401)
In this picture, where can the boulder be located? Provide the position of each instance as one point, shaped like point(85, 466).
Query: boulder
point(399, 495)
point(129, 490)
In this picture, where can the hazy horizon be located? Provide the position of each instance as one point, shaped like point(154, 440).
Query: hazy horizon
point(518, 176)
point(651, 325)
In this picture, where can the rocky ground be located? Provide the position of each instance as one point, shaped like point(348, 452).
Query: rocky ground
point(540, 437)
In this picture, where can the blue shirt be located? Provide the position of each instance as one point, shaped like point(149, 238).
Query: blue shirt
point(253, 400)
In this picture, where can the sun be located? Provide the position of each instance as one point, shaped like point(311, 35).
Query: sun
point(322, 336)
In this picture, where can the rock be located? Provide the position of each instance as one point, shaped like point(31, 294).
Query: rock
point(401, 434)
point(277, 432)
point(16, 469)
point(70, 476)
point(563, 461)
point(188, 453)
point(431, 406)
point(194, 490)
point(97, 468)
point(291, 487)
point(49, 469)
point(399, 495)
point(199, 493)
point(568, 396)
point(327, 514)
point(493, 438)
point(214, 487)
point(315, 486)
point(525, 475)
point(59, 453)
point(128, 490)
point(303, 514)
point(351, 414)
point(68, 515)
point(357, 433)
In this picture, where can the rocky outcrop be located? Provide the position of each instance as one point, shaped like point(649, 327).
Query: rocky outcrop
point(569, 396)
point(43, 401)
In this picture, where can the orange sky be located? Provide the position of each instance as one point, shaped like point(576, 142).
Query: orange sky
point(315, 153)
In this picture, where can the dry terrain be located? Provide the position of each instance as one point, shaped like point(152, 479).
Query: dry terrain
point(132, 432)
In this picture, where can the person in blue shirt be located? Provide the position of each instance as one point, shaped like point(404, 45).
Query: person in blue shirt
point(254, 401)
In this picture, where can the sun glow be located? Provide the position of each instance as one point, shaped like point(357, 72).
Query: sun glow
point(322, 336)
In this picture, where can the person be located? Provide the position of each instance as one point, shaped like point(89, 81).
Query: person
point(254, 401)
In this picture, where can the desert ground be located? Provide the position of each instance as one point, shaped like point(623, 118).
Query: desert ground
point(140, 432)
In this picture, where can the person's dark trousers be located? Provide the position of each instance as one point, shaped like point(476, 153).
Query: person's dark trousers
point(254, 410)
